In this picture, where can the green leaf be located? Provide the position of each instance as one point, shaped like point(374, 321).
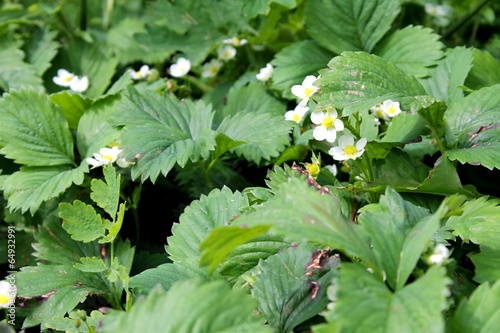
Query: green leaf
point(81, 221)
point(293, 153)
point(41, 50)
point(433, 115)
point(34, 132)
point(199, 218)
point(72, 105)
point(252, 98)
point(480, 224)
point(295, 62)
point(121, 38)
point(262, 7)
point(73, 323)
point(358, 81)
point(28, 188)
point(447, 79)
point(189, 307)
point(339, 25)
point(166, 275)
point(14, 72)
point(413, 49)
point(58, 289)
point(223, 144)
point(266, 135)
point(485, 70)
point(223, 240)
point(290, 300)
point(301, 213)
point(399, 233)
point(473, 128)
point(91, 265)
point(107, 194)
point(160, 132)
point(55, 245)
point(404, 128)
point(365, 303)
point(479, 313)
point(115, 227)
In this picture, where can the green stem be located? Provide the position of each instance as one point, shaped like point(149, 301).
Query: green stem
point(460, 22)
point(108, 10)
point(205, 88)
point(206, 172)
point(83, 15)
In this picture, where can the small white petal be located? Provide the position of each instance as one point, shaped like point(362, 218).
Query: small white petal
point(309, 80)
point(339, 125)
point(361, 144)
point(331, 135)
point(319, 133)
point(346, 140)
point(317, 117)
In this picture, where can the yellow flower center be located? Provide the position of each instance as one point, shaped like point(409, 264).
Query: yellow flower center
point(213, 70)
point(68, 78)
point(391, 110)
point(4, 299)
point(309, 91)
point(107, 157)
point(328, 123)
point(313, 169)
point(350, 150)
point(296, 117)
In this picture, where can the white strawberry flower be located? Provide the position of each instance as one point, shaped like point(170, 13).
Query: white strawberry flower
point(327, 123)
point(8, 293)
point(235, 41)
point(305, 90)
point(347, 149)
point(104, 156)
point(79, 84)
point(210, 69)
point(265, 73)
point(180, 68)
point(227, 52)
point(142, 73)
point(296, 114)
point(63, 78)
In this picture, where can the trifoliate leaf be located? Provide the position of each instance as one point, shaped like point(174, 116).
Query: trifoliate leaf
point(14, 72)
point(447, 79)
point(413, 49)
point(199, 218)
point(480, 313)
point(356, 81)
point(189, 307)
point(295, 62)
point(107, 194)
point(339, 25)
point(485, 70)
point(72, 105)
point(161, 131)
point(28, 188)
point(365, 303)
point(399, 233)
point(81, 221)
point(34, 132)
point(255, 130)
point(473, 128)
point(295, 296)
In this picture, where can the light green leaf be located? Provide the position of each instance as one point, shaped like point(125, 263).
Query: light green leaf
point(480, 313)
point(340, 25)
point(115, 227)
point(295, 62)
point(91, 265)
point(107, 194)
point(399, 232)
point(34, 132)
point(357, 81)
point(433, 115)
point(485, 70)
point(28, 188)
point(121, 38)
point(487, 264)
point(447, 79)
point(266, 135)
point(473, 128)
point(189, 307)
point(160, 132)
point(223, 240)
point(14, 72)
point(366, 304)
point(69, 324)
point(41, 50)
point(413, 49)
point(81, 221)
point(72, 105)
point(288, 300)
point(199, 218)
point(223, 144)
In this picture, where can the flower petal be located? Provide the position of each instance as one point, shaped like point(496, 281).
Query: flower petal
point(317, 117)
point(346, 140)
point(319, 133)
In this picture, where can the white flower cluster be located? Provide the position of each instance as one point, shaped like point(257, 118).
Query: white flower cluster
point(141, 74)
point(67, 79)
point(385, 111)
